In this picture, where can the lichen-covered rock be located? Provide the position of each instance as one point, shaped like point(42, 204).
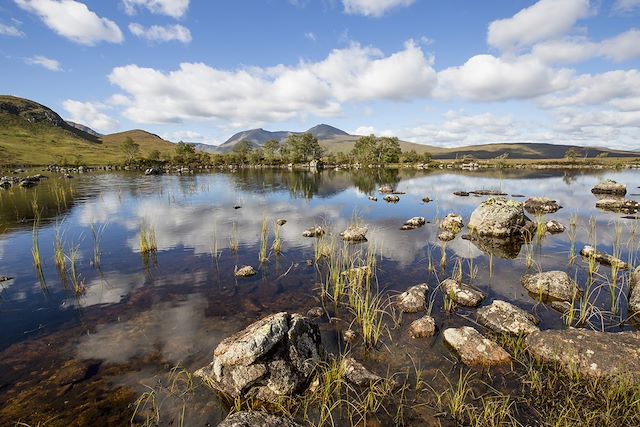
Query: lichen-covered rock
point(554, 226)
point(315, 312)
point(634, 291)
point(413, 223)
point(452, 222)
point(498, 217)
point(461, 293)
point(391, 198)
point(386, 189)
point(603, 258)
point(272, 357)
point(618, 205)
point(316, 231)
point(609, 186)
point(355, 233)
point(246, 271)
point(593, 353)
point(357, 374)
point(474, 349)
point(422, 327)
point(256, 419)
point(446, 235)
point(541, 205)
point(502, 317)
point(551, 285)
point(413, 299)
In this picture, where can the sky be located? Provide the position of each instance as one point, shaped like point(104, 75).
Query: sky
point(438, 72)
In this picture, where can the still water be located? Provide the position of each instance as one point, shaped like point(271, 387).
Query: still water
point(68, 359)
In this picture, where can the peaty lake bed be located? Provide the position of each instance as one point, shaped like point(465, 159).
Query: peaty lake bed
point(118, 287)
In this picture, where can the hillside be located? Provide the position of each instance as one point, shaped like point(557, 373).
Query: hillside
point(147, 141)
point(84, 128)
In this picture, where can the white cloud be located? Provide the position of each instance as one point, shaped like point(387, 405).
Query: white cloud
point(544, 20)
point(184, 135)
point(159, 33)
point(373, 7)
point(488, 78)
point(626, 5)
point(74, 21)
point(247, 96)
point(43, 61)
point(10, 30)
point(370, 130)
point(173, 8)
point(90, 114)
point(311, 36)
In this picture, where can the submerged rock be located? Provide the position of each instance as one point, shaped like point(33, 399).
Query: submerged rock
point(541, 205)
point(461, 293)
point(273, 357)
point(618, 205)
point(452, 222)
point(423, 327)
point(256, 419)
point(413, 299)
point(357, 374)
point(609, 186)
point(391, 198)
point(355, 233)
point(499, 217)
point(474, 349)
point(357, 273)
point(551, 285)
point(502, 317)
point(413, 223)
point(554, 226)
point(246, 271)
point(593, 353)
point(5, 278)
point(603, 258)
point(634, 291)
point(316, 231)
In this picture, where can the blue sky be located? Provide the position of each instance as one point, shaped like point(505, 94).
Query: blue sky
point(444, 73)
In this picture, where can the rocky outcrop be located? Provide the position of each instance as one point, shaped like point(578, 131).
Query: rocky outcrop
point(275, 356)
point(618, 205)
point(246, 271)
point(256, 419)
point(499, 217)
point(551, 285)
point(413, 223)
point(609, 186)
point(316, 231)
point(461, 293)
point(502, 317)
point(355, 233)
point(594, 354)
point(413, 299)
point(423, 327)
point(541, 205)
point(554, 227)
point(634, 292)
point(603, 258)
point(474, 349)
point(452, 222)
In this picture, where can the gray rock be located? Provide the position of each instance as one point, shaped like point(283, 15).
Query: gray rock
point(423, 327)
point(373, 198)
point(461, 293)
point(502, 317)
point(357, 374)
point(154, 171)
point(281, 222)
point(413, 299)
point(391, 198)
point(256, 419)
point(474, 349)
point(386, 189)
point(603, 258)
point(594, 354)
point(498, 217)
point(554, 226)
point(413, 223)
point(541, 205)
point(5, 184)
point(609, 186)
point(618, 205)
point(634, 291)
point(452, 222)
point(316, 231)
point(426, 200)
point(446, 235)
point(355, 233)
point(246, 271)
point(5, 278)
point(551, 285)
point(315, 312)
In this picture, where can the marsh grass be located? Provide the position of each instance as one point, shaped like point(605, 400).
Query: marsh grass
point(233, 239)
point(148, 243)
point(572, 232)
point(263, 254)
point(277, 241)
point(76, 281)
point(97, 233)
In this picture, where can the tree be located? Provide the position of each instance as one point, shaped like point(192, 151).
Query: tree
point(365, 150)
point(271, 150)
point(154, 156)
point(388, 150)
point(571, 153)
point(411, 157)
point(184, 152)
point(243, 149)
point(302, 148)
point(130, 149)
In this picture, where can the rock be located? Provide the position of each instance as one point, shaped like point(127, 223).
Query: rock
point(413, 299)
point(237, 207)
point(391, 199)
point(373, 198)
point(349, 335)
point(246, 271)
point(603, 258)
point(413, 223)
point(154, 171)
point(386, 189)
point(315, 312)
point(28, 183)
point(634, 291)
point(461, 293)
point(423, 327)
point(280, 222)
point(256, 419)
point(452, 222)
point(5, 278)
point(594, 354)
point(357, 374)
point(461, 193)
point(355, 233)
point(499, 247)
point(502, 317)
point(316, 164)
point(273, 357)
point(5, 183)
point(609, 186)
point(316, 231)
point(474, 349)
point(498, 217)
point(357, 274)
point(518, 195)
point(541, 205)
point(426, 200)
point(618, 205)
point(554, 226)
point(551, 285)
point(488, 193)
point(446, 235)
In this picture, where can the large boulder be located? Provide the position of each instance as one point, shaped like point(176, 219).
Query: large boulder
point(505, 318)
point(609, 186)
point(541, 205)
point(355, 233)
point(413, 299)
point(452, 222)
point(474, 349)
point(256, 419)
point(273, 357)
point(593, 353)
point(551, 285)
point(634, 291)
point(462, 294)
point(498, 217)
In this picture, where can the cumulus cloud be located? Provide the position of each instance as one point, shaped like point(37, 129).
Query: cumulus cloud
point(10, 30)
point(184, 135)
point(74, 21)
point(90, 114)
point(544, 20)
point(173, 8)
point(157, 33)
point(199, 91)
point(374, 8)
point(626, 5)
point(43, 61)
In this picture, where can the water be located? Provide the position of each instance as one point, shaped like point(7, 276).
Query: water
point(86, 358)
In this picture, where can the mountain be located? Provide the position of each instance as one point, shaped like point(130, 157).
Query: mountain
point(84, 128)
point(147, 141)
